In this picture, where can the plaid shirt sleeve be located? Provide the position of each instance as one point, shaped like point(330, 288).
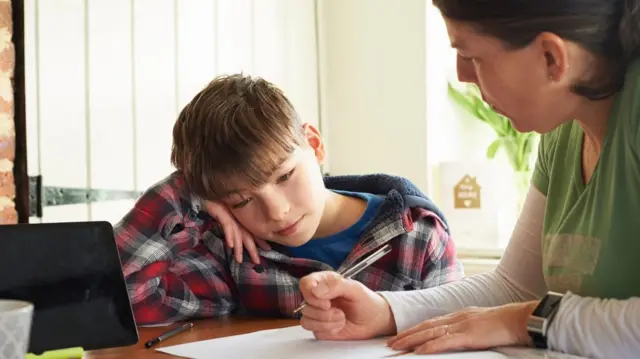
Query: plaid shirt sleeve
point(170, 273)
point(442, 265)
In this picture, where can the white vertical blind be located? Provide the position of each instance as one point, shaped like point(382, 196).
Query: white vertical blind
point(301, 69)
point(269, 38)
point(62, 75)
point(154, 69)
point(235, 36)
point(110, 118)
point(197, 47)
point(107, 78)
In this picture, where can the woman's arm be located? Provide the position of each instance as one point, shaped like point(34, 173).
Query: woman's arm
point(517, 278)
point(597, 328)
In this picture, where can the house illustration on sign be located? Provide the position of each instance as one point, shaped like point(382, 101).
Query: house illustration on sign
point(466, 193)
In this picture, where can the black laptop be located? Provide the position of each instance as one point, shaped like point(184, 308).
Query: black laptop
point(71, 272)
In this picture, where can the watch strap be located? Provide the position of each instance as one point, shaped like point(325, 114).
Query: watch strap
point(543, 316)
point(539, 341)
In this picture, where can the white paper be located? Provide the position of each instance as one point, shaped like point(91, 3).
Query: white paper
point(530, 353)
point(297, 343)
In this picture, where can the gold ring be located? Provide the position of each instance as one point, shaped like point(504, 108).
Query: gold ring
point(446, 329)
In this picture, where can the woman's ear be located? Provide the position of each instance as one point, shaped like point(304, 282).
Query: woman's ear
point(556, 54)
point(314, 141)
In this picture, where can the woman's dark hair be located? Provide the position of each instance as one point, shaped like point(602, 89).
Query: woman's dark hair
point(609, 29)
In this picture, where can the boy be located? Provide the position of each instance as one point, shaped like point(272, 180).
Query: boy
point(240, 142)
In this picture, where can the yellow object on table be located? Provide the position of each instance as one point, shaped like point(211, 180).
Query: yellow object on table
point(69, 353)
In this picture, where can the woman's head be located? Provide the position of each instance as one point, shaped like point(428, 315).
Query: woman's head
point(537, 61)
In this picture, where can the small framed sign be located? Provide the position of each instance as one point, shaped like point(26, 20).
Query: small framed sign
point(478, 198)
point(467, 193)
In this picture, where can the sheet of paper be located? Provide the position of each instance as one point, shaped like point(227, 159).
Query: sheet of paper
point(295, 342)
point(530, 353)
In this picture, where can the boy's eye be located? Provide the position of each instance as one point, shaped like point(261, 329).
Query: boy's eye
point(285, 176)
point(241, 204)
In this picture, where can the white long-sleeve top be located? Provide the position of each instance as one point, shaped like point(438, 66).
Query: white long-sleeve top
point(591, 327)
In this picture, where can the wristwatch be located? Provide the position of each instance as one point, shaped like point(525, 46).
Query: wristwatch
point(539, 321)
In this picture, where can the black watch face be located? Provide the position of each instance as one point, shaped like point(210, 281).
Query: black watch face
point(547, 305)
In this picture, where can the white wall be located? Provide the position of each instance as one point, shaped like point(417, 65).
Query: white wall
point(373, 86)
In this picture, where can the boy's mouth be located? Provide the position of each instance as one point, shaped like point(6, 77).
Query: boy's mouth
point(289, 229)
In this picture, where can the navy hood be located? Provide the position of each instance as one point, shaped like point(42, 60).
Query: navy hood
point(400, 192)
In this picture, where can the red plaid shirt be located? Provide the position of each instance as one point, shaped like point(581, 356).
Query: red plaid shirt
point(176, 266)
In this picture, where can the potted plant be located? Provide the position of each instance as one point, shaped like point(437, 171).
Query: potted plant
point(519, 147)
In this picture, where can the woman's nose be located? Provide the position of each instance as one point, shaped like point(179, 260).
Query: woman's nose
point(466, 70)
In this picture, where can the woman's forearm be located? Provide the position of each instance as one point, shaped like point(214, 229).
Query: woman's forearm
point(597, 328)
point(484, 290)
point(517, 278)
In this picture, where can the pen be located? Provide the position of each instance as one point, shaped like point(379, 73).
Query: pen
point(353, 271)
point(169, 334)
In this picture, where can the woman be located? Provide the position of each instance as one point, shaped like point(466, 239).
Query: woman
point(567, 69)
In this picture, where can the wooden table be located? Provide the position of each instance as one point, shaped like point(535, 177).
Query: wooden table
point(202, 330)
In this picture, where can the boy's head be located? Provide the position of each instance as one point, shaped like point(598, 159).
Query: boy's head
point(240, 141)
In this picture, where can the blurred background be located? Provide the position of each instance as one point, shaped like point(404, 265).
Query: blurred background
point(91, 89)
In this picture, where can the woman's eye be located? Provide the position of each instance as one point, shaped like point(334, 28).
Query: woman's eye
point(467, 58)
point(285, 176)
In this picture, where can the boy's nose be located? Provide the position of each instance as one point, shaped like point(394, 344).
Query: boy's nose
point(278, 210)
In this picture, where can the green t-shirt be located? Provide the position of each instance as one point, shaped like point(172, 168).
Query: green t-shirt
point(591, 233)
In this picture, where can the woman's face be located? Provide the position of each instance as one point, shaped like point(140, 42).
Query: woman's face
point(528, 85)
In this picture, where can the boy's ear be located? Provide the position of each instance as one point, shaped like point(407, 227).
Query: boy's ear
point(314, 140)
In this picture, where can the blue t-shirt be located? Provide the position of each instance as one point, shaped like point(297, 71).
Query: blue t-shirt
point(334, 249)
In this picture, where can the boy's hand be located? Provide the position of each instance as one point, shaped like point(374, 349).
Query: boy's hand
point(236, 236)
point(343, 309)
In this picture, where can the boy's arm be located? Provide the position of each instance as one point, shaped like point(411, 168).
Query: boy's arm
point(441, 263)
point(170, 273)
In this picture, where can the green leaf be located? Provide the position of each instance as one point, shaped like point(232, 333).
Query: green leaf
point(473, 90)
point(493, 148)
point(494, 121)
point(520, 142)
point(467, 103)
point(511, 147)
point(525, 149)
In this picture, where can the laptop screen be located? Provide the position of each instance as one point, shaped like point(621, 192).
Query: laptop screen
point(71, 272)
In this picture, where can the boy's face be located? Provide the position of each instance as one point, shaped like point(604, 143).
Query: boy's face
point(287, 210)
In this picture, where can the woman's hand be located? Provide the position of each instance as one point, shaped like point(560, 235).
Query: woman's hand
point(469, 329)
point(343, 309)
point(236, 236)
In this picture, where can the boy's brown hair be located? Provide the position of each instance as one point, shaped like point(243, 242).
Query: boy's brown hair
point(237, 129)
